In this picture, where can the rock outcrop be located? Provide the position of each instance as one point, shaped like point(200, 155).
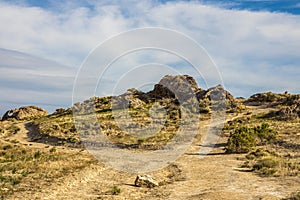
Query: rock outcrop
point(25, 112)
point(178, 89)
point(267, 98)
point(182, 87)
point(215, 93)
point(130, 99)
point(291, 110)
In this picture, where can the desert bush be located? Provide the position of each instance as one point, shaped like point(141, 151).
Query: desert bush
point(265, 162)
point(269, 163)
point(266, 166)
point(258, 153)
point(204, 106)
point(115, 190)
point(52, 150)
point(241, 141)
point(244, 139)
point(13, 129)
point(265, 133)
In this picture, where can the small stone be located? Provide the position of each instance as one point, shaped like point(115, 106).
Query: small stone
point(145, 181)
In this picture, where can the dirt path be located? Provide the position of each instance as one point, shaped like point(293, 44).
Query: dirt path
point(215, 176)
point(22, 135)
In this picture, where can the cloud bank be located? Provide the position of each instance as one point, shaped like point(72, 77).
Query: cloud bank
point(254, 51)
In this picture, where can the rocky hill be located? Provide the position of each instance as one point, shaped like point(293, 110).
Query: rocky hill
point(256, 156)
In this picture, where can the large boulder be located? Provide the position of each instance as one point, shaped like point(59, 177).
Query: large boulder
point(217, 94)
point(181, 86)
point(25, 112)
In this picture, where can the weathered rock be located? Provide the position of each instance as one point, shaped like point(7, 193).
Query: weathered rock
point(145, 181)
point(266, 98)
point(287, 113)
point(62, 111)
point(179, 89)
point(182, 87)
point(25, 112)
point(290, 112)
point(219, 94)
point(215, 93)
point(130, 99)
point(131, 96)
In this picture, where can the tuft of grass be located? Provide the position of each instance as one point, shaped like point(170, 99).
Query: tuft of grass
point(266, 166)
point(269, 163)
point(13, 129)
point(293, 196)
point(52, 150)
point(115, 190)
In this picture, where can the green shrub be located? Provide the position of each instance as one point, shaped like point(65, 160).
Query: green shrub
point(244, 139)
point(115, 190)
point(52, 150)
point(6, 147)
point(265, 162)
point(266, 166)
point(265, 134)
point(37, 154)
point(258, 153)
point(14, 129)
point(241, 141)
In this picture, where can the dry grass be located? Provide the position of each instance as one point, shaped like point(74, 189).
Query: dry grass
point(24, 168)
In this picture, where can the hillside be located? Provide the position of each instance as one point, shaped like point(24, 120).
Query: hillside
point(256, 155)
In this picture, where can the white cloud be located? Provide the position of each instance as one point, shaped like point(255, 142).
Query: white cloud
point(253, 50)
point(64, 37)
point(26, 79)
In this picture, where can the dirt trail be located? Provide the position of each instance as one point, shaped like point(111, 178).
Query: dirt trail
point(214, 176)
point(22, 135)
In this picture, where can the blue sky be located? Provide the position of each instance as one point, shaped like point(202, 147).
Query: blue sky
point(254, 43)
point(285, 6)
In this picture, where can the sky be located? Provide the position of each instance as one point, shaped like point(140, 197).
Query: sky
point(255, 44)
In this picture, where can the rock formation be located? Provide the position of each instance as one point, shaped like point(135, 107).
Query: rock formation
point(178, 89)
point(291, 110)
point(182, 87)
point(25, 113)
point(266, 98)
